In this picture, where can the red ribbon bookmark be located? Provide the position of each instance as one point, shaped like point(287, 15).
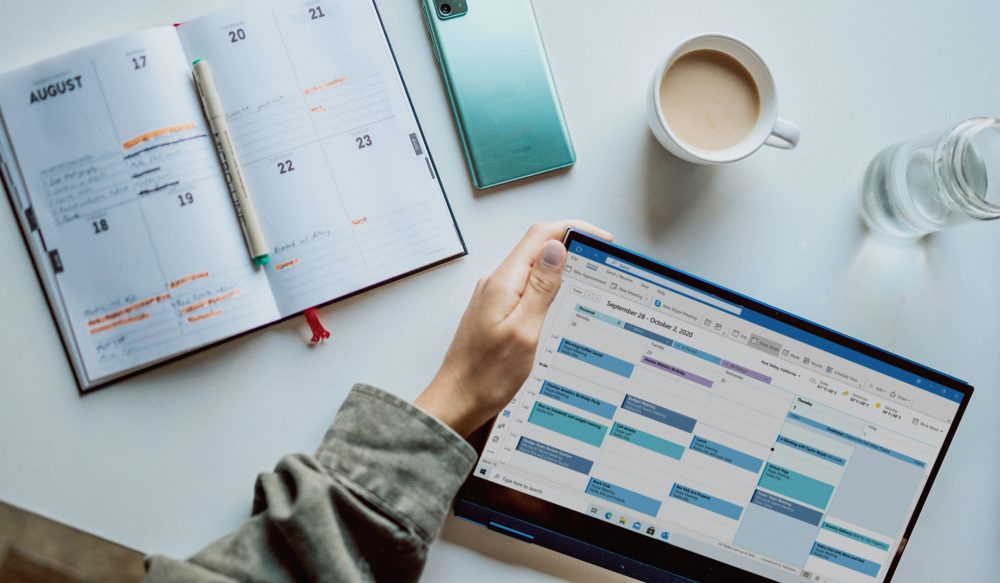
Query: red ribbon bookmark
point(319, 332)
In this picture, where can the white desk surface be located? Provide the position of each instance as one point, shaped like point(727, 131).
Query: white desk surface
point(166, 462)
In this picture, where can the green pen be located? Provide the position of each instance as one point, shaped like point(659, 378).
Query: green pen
point(238, 191)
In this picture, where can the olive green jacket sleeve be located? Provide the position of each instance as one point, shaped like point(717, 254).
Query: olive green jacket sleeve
point(364, 508)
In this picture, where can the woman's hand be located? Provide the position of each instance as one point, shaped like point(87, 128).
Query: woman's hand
point(495, 344)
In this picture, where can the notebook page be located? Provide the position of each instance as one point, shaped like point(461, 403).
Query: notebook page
point(329, 145)
point(124, 185)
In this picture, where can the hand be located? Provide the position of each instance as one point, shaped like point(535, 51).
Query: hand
point(495, 344)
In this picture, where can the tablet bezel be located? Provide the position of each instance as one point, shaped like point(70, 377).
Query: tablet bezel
point(593, 532)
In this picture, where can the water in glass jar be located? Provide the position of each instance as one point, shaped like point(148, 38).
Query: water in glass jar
point(935, 181)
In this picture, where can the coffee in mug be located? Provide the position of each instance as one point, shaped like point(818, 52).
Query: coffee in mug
point(709, 99)
point(713, 100)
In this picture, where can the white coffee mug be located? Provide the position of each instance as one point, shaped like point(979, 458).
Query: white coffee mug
point(769, 129)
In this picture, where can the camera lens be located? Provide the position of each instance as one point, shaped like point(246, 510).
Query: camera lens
point(446, 9)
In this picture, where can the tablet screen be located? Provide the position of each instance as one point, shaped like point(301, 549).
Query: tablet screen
point(699, 423)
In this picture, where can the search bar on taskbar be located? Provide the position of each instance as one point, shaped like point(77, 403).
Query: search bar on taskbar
point(674, 287)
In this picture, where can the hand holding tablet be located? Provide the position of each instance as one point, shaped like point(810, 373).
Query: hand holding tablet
point(673, 427)
point(493, 348)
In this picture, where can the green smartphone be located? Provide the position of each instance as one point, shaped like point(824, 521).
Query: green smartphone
point(500, 86)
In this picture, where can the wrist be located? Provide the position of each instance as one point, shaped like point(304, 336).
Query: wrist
point(445, 399)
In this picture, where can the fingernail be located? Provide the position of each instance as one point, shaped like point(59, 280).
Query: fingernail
point(552, 254)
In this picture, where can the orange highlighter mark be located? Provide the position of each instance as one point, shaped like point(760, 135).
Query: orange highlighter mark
point(156, 134)
point(117, 323)
point(317, 109)
point(328, 85)
point(128, 309)
point(286, 264)
point(209, 301)
point(187, 279)
point(204, 316)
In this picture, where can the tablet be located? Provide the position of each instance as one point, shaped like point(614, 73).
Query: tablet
point(672, 429)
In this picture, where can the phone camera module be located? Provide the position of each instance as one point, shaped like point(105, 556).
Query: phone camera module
point(448, 9)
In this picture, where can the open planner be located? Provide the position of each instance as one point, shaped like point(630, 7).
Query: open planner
point(116, 182)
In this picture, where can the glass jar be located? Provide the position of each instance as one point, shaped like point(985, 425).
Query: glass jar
point(935, 181)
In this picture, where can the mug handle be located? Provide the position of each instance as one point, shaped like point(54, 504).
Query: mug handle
point(785, 135)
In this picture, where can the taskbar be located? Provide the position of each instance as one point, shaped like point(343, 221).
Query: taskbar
point(685, 538)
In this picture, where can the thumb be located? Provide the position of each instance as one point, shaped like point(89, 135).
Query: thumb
point(543, 280)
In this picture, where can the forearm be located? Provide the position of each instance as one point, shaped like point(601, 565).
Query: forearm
point(364, 508)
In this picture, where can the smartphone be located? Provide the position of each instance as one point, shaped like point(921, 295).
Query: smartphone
point(500, 87)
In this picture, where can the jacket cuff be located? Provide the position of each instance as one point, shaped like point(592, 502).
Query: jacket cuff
point(403, 458)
